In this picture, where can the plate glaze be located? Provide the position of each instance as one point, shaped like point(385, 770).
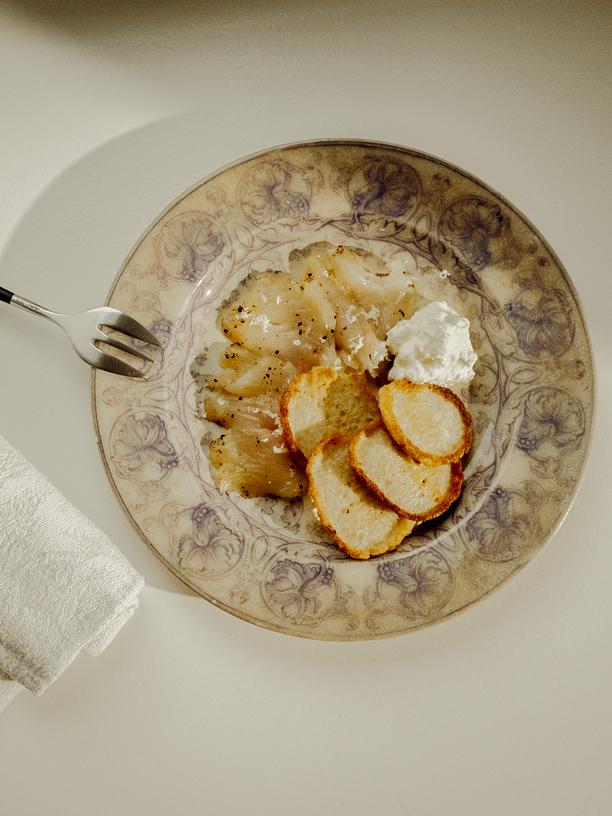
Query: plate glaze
point(266, 560)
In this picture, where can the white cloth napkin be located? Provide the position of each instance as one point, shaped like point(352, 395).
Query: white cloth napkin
point(64, 586)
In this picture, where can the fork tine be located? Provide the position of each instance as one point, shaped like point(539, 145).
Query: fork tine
point(112, 341)
point(106, 362)
point(114, 319)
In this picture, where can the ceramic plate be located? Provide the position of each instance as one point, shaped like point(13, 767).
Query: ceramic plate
point(266, 560)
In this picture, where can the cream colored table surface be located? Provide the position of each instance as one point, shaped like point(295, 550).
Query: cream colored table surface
point(108, 112)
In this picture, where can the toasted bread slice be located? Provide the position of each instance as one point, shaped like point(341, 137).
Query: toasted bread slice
point(357, 520)
point(429, 422)
point(322, 402)
point(419, 492)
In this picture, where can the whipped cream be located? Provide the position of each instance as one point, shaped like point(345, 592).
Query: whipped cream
point(433, 346)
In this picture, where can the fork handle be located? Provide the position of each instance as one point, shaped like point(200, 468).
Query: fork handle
point(28, 305)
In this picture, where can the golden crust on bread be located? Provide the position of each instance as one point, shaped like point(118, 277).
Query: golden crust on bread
point(359, 523)
point(324, 401)
point(418, 492)
point(429, 422)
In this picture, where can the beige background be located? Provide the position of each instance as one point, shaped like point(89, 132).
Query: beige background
point(110, 110)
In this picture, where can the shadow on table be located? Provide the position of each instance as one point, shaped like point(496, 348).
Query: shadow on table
point(119, 25)
point(79, 229)
point(102, 19)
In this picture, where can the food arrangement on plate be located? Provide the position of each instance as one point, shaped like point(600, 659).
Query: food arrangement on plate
point(336, 378)
point(312, 303)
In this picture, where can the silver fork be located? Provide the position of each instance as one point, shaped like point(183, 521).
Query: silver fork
point(85, 330)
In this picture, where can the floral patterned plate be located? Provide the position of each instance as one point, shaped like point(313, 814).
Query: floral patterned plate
point(266, 560)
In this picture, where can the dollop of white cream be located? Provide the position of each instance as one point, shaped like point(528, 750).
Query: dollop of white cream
point(433, 346)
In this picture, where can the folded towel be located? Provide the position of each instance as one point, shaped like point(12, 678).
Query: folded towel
point(64, 586)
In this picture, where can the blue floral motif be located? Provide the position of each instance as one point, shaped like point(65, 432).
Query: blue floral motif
point(187, 244)
point(382, 185)
point(553, 423)
point(501, 531)
point(162, 329)
point(469, 224)
point(287, 515)
point(211, 548)
point(142, 449)
point(296, 590)
point(417, 586)
point(274, 191)
point(546, 327)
